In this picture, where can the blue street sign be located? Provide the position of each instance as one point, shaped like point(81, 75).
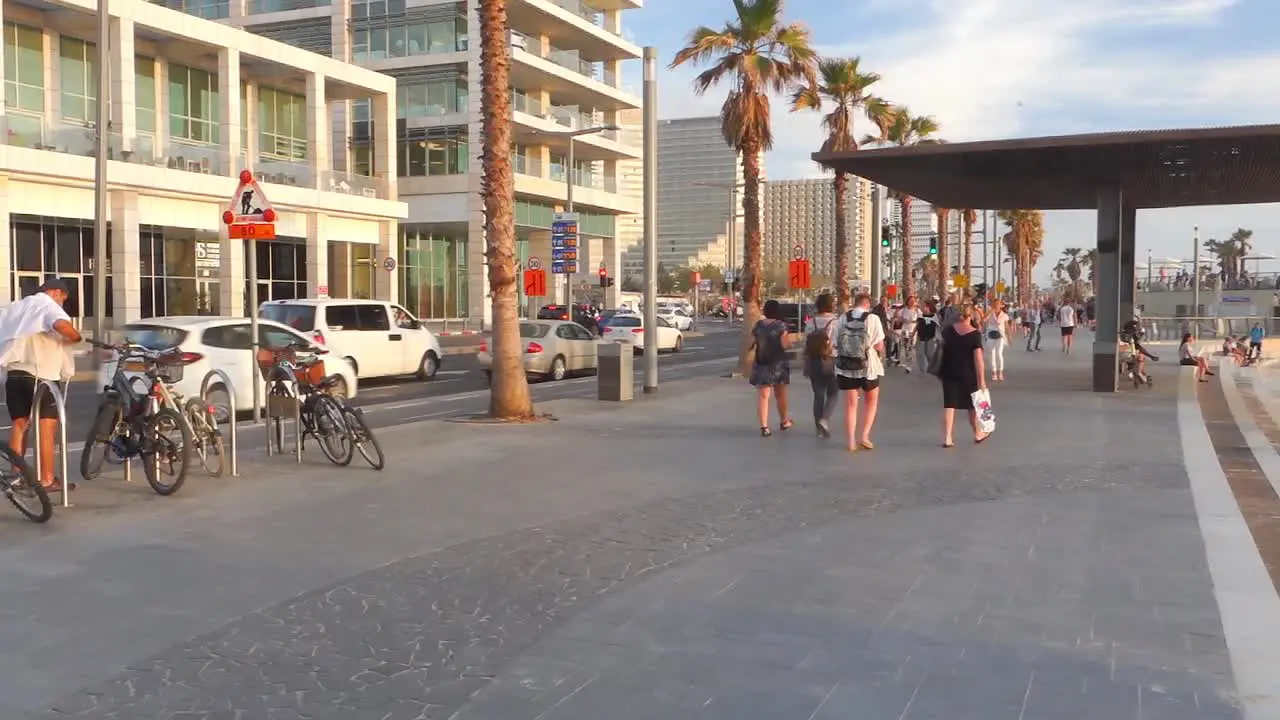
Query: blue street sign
point(564, 243)
point(564, 267)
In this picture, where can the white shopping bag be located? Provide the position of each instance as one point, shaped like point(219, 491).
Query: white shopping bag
point(986, 413)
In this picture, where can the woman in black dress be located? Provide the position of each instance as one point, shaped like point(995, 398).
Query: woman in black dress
point(771, 372)
point(962, 373)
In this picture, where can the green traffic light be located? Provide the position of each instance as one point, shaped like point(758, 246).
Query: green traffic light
point(933, 251)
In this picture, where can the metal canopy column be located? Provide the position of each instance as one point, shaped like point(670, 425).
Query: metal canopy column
point(1128, 249)
point(1107, 294)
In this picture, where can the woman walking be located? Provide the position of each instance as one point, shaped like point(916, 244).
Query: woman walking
point(820, 364)
point(860, 346)
point(962, 374)
point(998, 327)
point(927, 335)
point(771, 372)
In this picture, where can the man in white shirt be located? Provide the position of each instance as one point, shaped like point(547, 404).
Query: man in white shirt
point(1067, 323)
point(1031, 321)
point(34, 334)
point(909, 313)
point(860, 374)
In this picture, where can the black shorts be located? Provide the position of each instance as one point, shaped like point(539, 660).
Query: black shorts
point(957, 395)
point(1255, 345)
point(1189, 361)
point(19, 393)
point(851, 383)
point(1068, 330)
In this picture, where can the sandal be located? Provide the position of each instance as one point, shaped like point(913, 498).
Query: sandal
point(866, 445)
point(765, 432)
point(980, 440)
point(56, 486)
point(948, 445)
point(787, 424)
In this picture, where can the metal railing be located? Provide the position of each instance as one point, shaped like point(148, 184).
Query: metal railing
point(45, 387)
point(353, 184)
point(1211, 283)
point(257, 7)
point(232, 433)
point(568, 59)
point(1172, 328)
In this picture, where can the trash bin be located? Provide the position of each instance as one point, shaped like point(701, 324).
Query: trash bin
point(615, 375)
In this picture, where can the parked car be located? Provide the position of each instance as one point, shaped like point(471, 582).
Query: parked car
point(602, 322)
point(796, 316)
point(222, 343)
point(629, 330)
point(378, 338)
point(554, 349)
point(677, 318)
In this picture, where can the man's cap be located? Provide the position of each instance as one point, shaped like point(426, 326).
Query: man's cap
point(55, 284)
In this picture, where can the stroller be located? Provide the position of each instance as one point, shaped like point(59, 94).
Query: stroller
point(1132, 353)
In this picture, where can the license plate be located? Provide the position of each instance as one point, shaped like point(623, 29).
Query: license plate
point(135, 366)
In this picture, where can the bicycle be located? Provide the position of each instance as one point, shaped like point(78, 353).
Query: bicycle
point(319, 414)
point(360, 432)
point(137, 422)
point(19, 485)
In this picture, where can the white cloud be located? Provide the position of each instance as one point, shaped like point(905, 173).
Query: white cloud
point(983, 67)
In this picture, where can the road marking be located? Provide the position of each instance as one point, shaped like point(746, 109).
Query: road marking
point(453, 372)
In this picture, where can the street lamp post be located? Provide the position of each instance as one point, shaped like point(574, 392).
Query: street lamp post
point(571, 135)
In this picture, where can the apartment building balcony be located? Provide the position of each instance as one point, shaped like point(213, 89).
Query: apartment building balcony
point(536, 123)
point(547, 181)
point(567, 75)
point(262, 7)
point(573, 22)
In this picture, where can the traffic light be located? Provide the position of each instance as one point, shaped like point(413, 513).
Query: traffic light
point(933, 245)
point(607, 281)
point(885, 236)
point(604, 278)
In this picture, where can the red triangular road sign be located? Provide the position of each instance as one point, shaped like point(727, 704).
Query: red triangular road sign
point(249, 203)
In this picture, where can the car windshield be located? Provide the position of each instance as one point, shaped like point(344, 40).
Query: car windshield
point(626, 321)
point(298, 317)
point(154, 337)
point(534, 330)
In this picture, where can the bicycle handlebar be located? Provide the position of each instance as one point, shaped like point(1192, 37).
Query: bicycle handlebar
point(127, 349)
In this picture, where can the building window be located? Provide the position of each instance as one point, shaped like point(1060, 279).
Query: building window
point(361, 139)
point(144, 81)
point(193, 104)
point(434, 272)
point(78, 79)
point(430, 156)
point(44, 247)
point(282, 269)
point(431, 99)
point(168, 270)
point(282, 125)
point(24, 84)
point(405, 40)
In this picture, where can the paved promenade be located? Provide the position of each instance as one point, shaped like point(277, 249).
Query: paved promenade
point(655, 560)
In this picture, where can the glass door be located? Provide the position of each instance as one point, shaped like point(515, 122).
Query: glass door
point(207, 300)
point(27, 284)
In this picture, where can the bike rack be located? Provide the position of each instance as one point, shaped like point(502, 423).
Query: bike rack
point(231, 400)
point(44, 387)
point(278, 410)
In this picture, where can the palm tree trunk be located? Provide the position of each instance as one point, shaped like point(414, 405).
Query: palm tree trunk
point(943, 273)
point(752, 252)
point(906, 286)
point(842, 243)
point(1024, 276)
point(968, 245)
point(509, 397)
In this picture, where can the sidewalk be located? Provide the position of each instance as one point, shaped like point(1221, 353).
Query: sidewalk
point(655, 560)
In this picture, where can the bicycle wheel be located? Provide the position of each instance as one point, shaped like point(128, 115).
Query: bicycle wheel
point(166, 451)
point(97, 447)
point(206, 439)
point(331, 430)
point(362, 437)
point(20, 486)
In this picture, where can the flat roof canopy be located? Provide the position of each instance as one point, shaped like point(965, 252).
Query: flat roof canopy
point(1154, 168)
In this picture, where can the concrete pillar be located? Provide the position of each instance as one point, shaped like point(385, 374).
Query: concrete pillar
point(317, 255)
point(386, 285)
point(1110, 212)
point(6, 247)
point(124, 113)
point(229, 95)
point(382, 114)
point(2, 113)
point(237, 10)
point(53, 77)
point(126, 268)
point(251, 122)
point(318, 147)
point(231, 275)
point(1128, 226)
point(162, 110)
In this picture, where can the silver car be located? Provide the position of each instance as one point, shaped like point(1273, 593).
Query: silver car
point(553, 349)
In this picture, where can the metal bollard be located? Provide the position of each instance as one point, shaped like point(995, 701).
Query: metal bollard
point(231, 401)
point(59, 402)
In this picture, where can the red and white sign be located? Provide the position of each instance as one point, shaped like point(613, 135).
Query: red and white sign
point(322, 291)
point(249, 214)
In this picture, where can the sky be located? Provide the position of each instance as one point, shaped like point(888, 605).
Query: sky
point(987, 69)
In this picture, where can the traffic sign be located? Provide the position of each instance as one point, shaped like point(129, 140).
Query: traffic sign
point(534, 263)
point(389, 264)
point(535, 283)
point(798, 274)
point(891, 290)
point(1000, 286)
point(797, 252)
point(960, 280)
point(249, 215)
point(704, 286)
point(564, 243)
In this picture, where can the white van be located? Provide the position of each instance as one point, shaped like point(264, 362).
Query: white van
point(378, 338)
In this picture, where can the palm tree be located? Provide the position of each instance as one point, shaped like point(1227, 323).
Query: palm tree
point(944, 256)
point(929, 273)
point(509, 397)
point(758, 54)
point(1070, 263)
point(905, 130)
point(843, 87)
point(1090, 260)
point(970, 218)
point(1025, 242)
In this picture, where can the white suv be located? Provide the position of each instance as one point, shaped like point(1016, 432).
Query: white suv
point(378, 338)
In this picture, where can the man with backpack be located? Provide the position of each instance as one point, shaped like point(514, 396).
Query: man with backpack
point(859, 365)
point(819, 362)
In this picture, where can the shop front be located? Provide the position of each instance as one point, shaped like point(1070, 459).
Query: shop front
point(47, 247)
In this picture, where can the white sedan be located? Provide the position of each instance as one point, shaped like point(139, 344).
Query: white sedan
point(629, 330)
point(677, 318)
point(222, 343)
